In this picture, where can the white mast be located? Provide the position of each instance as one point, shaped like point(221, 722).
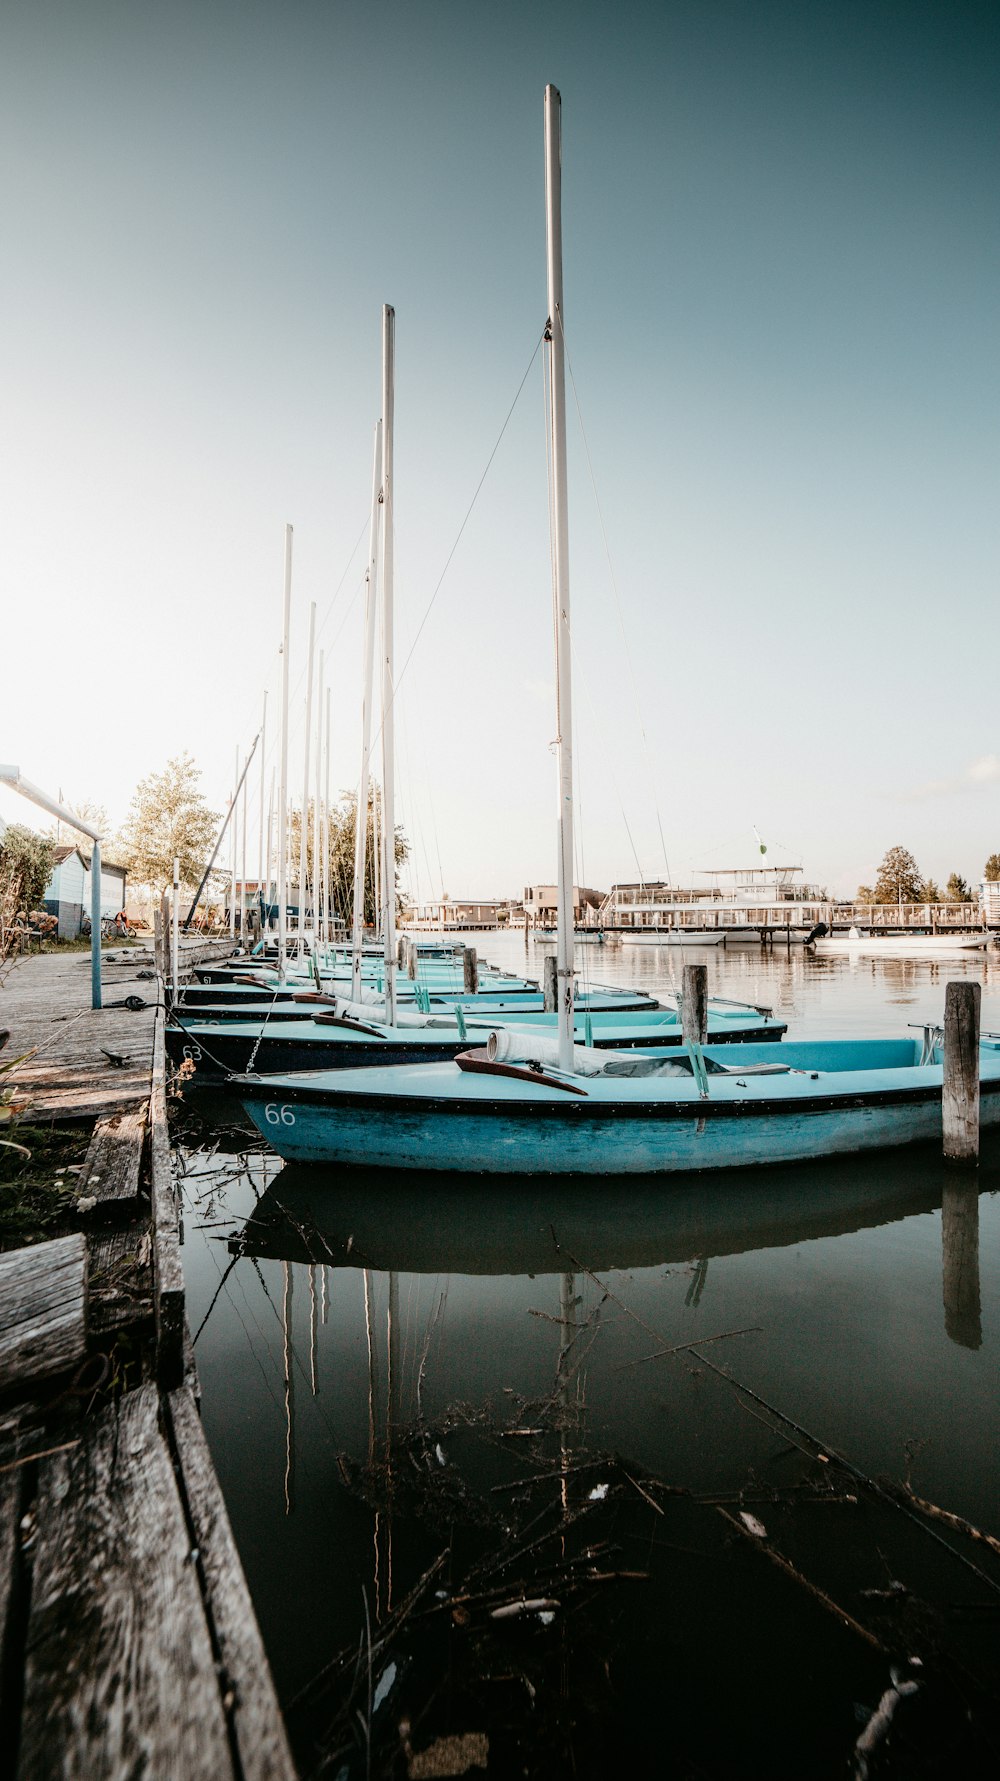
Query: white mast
point(361, 814)
point(326, 842)
point(388, 802)
point(243, 862)
point(263, 807)
point(233, 855)
point(268, 853)
point(316, 876)
point(283, 775)
point(304, 824)
point(554, 335)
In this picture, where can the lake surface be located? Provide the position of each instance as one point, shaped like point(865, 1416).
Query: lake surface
point(496, 1454)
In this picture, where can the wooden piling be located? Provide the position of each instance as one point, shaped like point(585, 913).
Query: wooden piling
point(412, 960)
point(960, 1085)
point(960, 1262)
point(694, 1004)
point(550, 983)
point(470, 971)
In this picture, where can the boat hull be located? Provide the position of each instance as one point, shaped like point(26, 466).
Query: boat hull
point(496, 1126)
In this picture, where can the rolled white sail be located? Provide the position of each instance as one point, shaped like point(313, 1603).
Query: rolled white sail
point(511, 1046)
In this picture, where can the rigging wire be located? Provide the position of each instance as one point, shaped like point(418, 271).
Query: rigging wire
point(618, 604)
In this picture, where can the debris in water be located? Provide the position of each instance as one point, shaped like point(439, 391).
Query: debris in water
point(598, 1494)
point(542, 1605)
point(752, 1525)
point(383, 1686)
point(449, 1756)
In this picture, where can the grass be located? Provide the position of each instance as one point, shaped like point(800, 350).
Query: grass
point(38, 1192)
point(82, 944)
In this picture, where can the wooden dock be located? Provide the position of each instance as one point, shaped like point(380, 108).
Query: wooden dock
point(128, 1641)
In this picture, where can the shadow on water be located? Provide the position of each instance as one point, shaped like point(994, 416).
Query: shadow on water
point(598, 1479)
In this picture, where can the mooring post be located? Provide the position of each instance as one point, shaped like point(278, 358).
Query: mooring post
point(470, 971)
point(174, 937)
point(412, 960)
point(960, 1261)
point(960, 1084)
point(694, 1004)
point(550, 983)
point(401, 945)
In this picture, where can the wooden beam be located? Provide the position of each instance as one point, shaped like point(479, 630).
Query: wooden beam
point(245, 1677)
point(119, 1675)
point(43, 1310)
point(110, 1171)
point(168, 1275)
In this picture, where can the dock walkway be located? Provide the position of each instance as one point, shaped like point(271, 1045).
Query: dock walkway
point(128, 1641)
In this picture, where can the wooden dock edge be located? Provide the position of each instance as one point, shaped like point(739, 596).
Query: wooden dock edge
point(249, 1700)
point(168, 1275)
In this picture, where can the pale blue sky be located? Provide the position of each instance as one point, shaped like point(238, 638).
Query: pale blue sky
point(781, 290)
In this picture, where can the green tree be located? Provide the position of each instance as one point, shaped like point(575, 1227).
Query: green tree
point(899, 879)
point(991, 870)
point(168, 819)
point(956, 889)
point(342, 826)
point(25, 867)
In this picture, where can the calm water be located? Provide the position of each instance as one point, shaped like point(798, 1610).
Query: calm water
point(403, 1374)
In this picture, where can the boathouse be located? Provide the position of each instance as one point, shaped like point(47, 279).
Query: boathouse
point(64, 893)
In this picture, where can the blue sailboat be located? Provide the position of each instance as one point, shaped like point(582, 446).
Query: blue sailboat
point(529, 1104)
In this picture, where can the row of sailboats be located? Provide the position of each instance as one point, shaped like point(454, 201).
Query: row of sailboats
point(530, 1101)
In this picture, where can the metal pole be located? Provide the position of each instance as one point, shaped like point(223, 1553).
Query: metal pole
point(304, 824)
point(361, 813)
point(326, 828)
point(260, 828)
point(95, 926)
point(554, 334)
point(174, 937)
point(188, 919)
point(316, 874)
point(283, 777)
point(232, 852)
point(268, 861)
point(388, 763)
point(243, 866)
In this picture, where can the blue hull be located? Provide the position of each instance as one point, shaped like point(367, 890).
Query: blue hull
point(435, 1118)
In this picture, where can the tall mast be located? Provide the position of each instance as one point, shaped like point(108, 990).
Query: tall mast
point(263, 807)
point(304, 825)
point(233, 854)
point(554, 335)
point(388, 715)
point(316, 884)
point(326, 855)
point(361, 814)
point(283, 773)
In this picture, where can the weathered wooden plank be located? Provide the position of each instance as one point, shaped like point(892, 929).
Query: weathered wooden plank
point(120, 1678)
point(121, 1277)
point(10, 1515)
point(168, 1275)
point(110, 1172)
point(255, 1715)
point(43, 1310)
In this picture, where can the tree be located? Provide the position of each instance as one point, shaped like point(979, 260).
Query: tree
point(26, 861)
point(991, 870)
point(899, 879)
point(342, 825)
point(956, 889)
point(168, 819)
point(97, 817)
point(864, 894)
point(25, 870)
point(931, 891)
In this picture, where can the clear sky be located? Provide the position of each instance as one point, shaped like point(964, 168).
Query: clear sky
point(782, 257)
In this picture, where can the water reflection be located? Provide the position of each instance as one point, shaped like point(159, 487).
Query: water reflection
point(460, 1365)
